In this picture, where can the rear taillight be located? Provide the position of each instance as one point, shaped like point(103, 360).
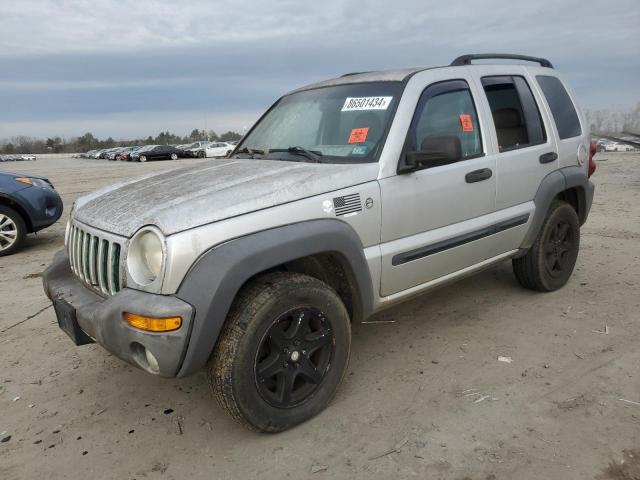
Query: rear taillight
point(593, 148)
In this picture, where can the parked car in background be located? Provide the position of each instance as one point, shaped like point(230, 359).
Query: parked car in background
point(28, 204)
point(618, 147)
point(114, 153)
point(17, 158)
point(193, 149)
point(135, 155)
point(125, 153)
point(216, 149)
point(158, 152)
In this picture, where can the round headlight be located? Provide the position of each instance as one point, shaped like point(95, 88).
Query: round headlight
point(145, 258)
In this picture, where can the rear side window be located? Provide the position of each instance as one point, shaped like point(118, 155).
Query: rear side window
point(447, 109)
point(515, 112)
point(562, 109)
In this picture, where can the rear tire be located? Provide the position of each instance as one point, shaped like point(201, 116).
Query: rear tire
point(13, 230)
point(282, 353)
point(549, 263)
point(174, 156)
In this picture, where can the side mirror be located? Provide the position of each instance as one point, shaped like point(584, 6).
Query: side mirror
point(435, 150)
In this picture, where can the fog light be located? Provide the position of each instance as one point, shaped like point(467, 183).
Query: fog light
point(153, 324)
point(154, 367)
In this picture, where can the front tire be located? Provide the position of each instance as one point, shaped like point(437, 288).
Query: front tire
point(549, 263)
point(13, 230)
point(142, 158)
point(282, 353)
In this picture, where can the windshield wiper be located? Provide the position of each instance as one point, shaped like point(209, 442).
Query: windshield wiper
point(312, 155)
point(250, 151)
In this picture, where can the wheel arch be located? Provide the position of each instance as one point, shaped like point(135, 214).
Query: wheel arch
point(327, 249)
point(569, 184)
point(12, 203)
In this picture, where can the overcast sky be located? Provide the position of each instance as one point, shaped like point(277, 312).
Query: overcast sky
point(130, 68)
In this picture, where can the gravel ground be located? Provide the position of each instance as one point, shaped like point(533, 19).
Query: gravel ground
point(425, 396)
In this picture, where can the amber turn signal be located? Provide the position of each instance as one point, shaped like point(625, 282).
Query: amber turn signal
point(153, 324)
point(28, 181)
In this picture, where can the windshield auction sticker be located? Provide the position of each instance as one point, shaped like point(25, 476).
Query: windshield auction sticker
point(358, 135)
point(352, 104)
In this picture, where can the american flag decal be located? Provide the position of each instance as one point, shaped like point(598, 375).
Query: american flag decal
point(347, 204)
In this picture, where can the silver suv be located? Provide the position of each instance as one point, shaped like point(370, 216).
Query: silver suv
point(346, 197)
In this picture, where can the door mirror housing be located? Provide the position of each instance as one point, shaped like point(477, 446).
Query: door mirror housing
point(435, 150)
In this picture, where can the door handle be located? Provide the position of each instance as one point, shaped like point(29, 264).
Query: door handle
point(548, 157)
point(478, 175)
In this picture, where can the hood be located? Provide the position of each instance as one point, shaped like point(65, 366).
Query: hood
point(185, 198)
point(20, 175)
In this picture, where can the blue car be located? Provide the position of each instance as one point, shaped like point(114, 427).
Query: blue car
point(28, 204)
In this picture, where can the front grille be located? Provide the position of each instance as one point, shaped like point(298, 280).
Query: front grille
point(95, 258)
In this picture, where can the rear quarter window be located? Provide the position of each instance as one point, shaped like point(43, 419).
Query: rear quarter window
point(562, 108)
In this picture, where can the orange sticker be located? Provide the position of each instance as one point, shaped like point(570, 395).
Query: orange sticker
point(358, 135)
point(466, 122)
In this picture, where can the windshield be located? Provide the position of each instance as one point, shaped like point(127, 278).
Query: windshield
point(344, 124)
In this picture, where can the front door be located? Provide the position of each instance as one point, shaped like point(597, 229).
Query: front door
point(436, 218)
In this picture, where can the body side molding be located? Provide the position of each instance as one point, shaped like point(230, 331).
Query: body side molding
point(459, 240)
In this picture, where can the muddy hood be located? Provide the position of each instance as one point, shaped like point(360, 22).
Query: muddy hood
point(186, 198)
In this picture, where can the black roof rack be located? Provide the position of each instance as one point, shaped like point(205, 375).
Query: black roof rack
point(466, 59)
point(352, 73)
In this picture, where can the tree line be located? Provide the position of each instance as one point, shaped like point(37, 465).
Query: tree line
point(86, 142)
point(614, 121)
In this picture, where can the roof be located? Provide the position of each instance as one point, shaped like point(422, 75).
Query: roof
point(397, 75)
point(400, 75)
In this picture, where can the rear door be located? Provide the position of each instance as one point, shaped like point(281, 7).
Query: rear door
point(523, 146)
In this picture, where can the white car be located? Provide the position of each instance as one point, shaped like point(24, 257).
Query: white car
point(218, 149)
point(618, 147)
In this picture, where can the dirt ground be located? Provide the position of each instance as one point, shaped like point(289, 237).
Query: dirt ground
point(425, 396)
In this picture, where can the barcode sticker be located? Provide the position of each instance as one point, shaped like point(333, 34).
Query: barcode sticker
point(366, 103)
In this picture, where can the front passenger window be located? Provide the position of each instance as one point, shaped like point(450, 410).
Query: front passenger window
point(447, 110)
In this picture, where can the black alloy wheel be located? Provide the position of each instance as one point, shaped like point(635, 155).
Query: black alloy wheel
point(558, 247)
point(293, 357)
point(282, 353)
point(549, 263)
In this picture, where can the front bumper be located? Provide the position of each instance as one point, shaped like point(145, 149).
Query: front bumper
point(102, 318)
point(43, 205)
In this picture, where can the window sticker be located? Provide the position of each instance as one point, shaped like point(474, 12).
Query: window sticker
point(359, 150)
point(358, 135)
point(352, 104)
point(466, 122)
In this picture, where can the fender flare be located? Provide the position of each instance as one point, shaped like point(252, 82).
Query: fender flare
point(551, 185)
point(213, 281)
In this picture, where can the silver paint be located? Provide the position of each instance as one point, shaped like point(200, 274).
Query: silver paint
point(182, 199)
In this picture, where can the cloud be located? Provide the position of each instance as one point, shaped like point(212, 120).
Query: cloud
point(92, 59)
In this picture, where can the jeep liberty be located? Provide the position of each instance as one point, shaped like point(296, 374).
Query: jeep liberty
point(346, 197)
